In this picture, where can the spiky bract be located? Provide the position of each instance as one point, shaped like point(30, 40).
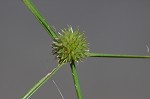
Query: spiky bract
point(70, 46)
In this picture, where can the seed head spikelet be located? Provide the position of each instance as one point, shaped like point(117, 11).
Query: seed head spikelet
point(70, 46)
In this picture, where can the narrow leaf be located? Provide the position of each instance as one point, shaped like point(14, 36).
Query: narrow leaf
point(41, 82)
point(116, 55)
point(40, 18)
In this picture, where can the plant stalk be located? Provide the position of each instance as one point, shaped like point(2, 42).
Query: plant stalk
point(40, 18)
point(76, 80)
point(41, 82)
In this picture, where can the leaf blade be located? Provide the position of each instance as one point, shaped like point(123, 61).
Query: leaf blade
point(40, 18)
point(116, 55)
point(41, 82)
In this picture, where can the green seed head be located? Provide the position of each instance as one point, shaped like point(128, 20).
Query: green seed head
point(70, 46)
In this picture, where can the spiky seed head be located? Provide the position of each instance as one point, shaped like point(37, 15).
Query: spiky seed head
point(70, 46)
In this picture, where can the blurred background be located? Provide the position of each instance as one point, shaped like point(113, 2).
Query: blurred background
point(111, 26)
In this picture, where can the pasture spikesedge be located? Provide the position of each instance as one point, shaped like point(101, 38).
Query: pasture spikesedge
point(69, 46)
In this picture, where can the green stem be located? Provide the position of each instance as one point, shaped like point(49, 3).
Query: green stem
point(41, 82)
point(76, 80)
point(116, 55)
point(40, 18)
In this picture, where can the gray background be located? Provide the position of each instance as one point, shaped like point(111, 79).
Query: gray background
point(112, 26)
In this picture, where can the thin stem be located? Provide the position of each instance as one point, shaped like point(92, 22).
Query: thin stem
point(58, 90)
point(76, 80)
point(116, 55)
point(40, 18)
point(41, 82)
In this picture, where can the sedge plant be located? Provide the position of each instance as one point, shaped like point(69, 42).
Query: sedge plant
point(69, 46)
